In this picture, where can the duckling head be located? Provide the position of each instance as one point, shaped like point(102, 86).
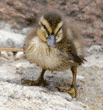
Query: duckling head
point(50, 29)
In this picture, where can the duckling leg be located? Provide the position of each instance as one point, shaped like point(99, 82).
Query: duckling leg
point(39, 82)
point(71, 90)
point(73, 86)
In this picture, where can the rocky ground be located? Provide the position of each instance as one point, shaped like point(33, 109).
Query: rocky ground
point(20, 15)
point(14, 94)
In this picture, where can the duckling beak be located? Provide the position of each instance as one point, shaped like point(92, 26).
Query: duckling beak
point(51, 40)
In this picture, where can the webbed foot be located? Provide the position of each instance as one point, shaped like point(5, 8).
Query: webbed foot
point(69, 90)
point(38, 82)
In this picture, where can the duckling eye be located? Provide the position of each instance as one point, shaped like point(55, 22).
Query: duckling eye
point(59, 35)
point(58, 30)
point(45, 28)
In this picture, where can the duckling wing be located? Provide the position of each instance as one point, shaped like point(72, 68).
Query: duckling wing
point(76, 58)
point(73, 54)
point(75, 47)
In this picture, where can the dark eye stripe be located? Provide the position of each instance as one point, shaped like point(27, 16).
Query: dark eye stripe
point(58, 30)
point(45, 28)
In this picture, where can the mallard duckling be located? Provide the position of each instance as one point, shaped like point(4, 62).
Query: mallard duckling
point(54, 46)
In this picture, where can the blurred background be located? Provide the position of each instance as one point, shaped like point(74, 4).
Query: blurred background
point(87, 15)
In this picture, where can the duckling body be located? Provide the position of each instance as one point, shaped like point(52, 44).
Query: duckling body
point(54, 46)
point(46, 57)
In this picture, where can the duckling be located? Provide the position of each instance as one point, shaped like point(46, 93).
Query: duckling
point(54, 46)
